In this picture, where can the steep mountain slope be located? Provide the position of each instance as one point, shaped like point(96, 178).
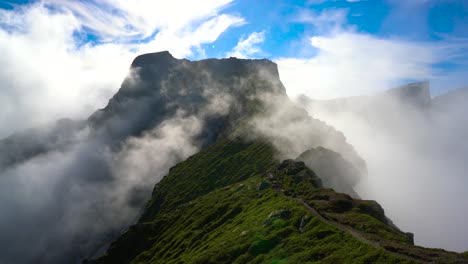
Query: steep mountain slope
point(232, 203)
point(73, 186)
point(231, 200)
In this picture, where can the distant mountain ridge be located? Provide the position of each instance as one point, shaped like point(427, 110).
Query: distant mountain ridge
point(414, 95)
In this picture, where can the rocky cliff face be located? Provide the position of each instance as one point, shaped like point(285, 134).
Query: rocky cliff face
point(159, 86)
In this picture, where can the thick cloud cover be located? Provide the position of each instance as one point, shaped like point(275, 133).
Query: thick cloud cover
point(57, 201)
point(350, 64)
point(416, 160)
point(292, 131)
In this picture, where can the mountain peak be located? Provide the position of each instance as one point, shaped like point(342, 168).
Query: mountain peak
point(153, 58)
point(158, 86)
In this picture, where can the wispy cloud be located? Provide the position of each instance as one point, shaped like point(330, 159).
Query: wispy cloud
point(135, 20)
point(248, 47)
point(325, 22)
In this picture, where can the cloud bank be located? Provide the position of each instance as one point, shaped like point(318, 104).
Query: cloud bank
point(57, 201)
point(416, 159)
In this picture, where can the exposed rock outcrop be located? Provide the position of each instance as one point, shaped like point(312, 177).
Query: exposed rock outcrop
point(335, 172)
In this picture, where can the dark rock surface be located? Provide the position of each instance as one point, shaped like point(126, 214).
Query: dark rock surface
point(335, 172)
point(159, 86)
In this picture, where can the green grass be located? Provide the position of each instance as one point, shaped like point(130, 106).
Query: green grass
point(229, 226)
point(223, 163)
point(233, 203)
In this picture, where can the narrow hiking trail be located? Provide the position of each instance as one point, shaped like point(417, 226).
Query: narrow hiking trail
point(359, 236)
point(353, 232)
point(350, 230)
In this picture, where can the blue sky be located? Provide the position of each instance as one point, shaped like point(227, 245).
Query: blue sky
point(324, 49)
point(425, 18)
point(429, 21)
point(418, 20)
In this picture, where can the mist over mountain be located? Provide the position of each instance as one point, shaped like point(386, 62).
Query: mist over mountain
point(73, 186)
point(154, 131)
point(415, 153)
point(236, 202)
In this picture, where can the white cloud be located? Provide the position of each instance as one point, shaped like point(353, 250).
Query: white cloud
point(52, 73)
point(116, 19)
point(47, 76)
point(325, 22)
point(247, 47)
point(350, 63)
point(181, 43)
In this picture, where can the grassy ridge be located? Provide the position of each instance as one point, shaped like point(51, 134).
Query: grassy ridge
point(232, 203)
point(241, 224)
point(223, 163)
